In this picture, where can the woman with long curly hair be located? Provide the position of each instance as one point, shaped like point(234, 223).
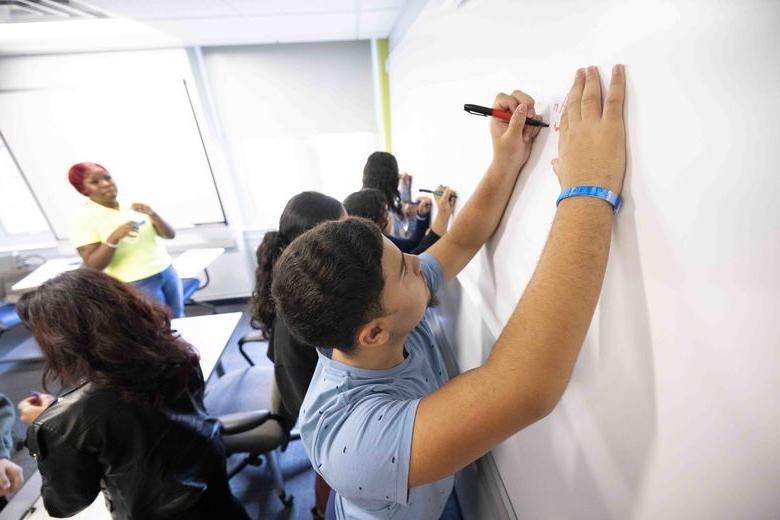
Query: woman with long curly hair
point(294, 362)
point(130, 419)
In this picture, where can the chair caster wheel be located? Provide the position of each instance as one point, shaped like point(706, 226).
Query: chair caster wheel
point(286, 499)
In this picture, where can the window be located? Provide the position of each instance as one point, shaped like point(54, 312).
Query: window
point(130, 112)
point(19, 211)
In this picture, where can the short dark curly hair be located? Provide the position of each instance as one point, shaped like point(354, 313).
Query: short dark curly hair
point(329, 282)
point(368, 203)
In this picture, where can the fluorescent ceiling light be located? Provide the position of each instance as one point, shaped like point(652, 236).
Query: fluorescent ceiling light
point(81, 35)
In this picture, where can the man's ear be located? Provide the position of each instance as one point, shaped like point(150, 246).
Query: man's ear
point(374, 333)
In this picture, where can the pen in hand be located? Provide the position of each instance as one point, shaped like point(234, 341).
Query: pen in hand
point(478, 110)
point(438, 193)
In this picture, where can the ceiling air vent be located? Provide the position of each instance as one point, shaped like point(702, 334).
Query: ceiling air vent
point(19, 11)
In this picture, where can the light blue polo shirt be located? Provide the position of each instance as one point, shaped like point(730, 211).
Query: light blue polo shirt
point(357, 426)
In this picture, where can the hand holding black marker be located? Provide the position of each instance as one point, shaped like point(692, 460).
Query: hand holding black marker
point(478, 110)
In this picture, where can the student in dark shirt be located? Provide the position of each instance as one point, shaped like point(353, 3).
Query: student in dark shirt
point(372, 204)
point(294, 362)
point(131, 421)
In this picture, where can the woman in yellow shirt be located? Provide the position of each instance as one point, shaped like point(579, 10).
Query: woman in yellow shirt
point(123, 240)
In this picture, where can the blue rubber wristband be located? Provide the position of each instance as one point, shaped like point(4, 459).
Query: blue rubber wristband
point(592, 191)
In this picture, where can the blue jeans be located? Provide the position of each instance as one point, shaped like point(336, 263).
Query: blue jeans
point(165, 287)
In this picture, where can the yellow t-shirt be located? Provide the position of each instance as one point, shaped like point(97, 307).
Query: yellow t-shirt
point(135, 258)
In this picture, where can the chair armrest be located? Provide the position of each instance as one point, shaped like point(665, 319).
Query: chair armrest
point(248, 339)
point(243, 421)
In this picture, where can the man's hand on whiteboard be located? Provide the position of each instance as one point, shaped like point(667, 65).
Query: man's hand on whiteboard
point(592, 146)
point(512, 140)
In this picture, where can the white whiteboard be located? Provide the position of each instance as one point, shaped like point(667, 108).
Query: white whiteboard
point(131, 115)
point(673, 409)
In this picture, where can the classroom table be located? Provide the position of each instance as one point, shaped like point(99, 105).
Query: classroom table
point(209, 335)
point(189, 264)
point(49, 269)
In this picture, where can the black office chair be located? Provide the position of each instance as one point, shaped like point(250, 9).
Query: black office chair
point(254, 422)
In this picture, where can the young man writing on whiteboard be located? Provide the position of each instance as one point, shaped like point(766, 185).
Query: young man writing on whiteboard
point(381, 422)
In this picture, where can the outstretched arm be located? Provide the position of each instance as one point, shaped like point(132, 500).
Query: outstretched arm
point(482, 213)
point(532, 361)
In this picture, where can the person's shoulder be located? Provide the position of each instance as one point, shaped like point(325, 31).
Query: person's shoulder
point(422, 333)
point(430, 261)
point(72, 417)
point(432, 271)
point(85, 400)
point(87, 207)
point(81, 212)
point(84, 216)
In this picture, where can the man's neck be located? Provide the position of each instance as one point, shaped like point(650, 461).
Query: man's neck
point(373, 358)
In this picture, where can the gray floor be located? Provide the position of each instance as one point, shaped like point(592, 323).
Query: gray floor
point(252, 486)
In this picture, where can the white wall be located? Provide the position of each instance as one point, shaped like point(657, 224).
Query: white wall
point(295, 117)
point(672, 411)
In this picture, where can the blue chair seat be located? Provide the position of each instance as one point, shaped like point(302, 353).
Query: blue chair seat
point(189, 287)
point(9, 318)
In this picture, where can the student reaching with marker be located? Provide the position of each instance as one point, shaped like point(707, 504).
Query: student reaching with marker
point(381, 173)
point(123, 240)
point(381, 422)
point(371, 204)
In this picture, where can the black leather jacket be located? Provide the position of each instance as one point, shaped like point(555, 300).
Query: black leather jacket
point(164, 463)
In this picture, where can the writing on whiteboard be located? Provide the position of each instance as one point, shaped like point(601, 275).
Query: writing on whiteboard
point(557, 112)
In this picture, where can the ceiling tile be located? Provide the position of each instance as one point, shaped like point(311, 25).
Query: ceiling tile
point(161, 9)
point(261, 29)
point(366, 5)
point(376, 24)
point(273, 7)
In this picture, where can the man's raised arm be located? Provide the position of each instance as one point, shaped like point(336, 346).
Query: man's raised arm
point(532, 361)
point(479, 218)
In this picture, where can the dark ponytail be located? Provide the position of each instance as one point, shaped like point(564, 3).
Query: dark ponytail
point(302, 212)
point(381, 173)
